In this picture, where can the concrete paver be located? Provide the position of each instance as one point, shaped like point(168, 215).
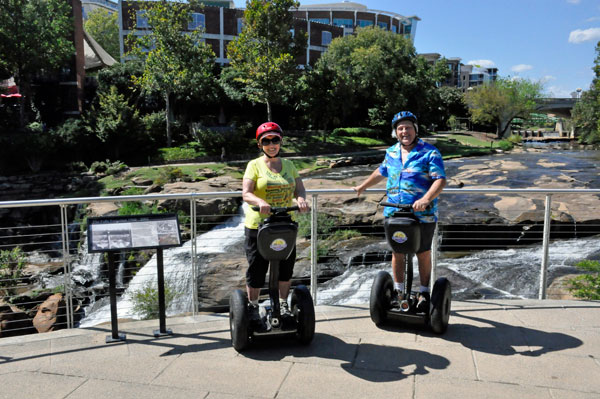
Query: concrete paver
point(492, 349)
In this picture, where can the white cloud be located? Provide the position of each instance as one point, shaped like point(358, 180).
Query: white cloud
point(548, 78)
point(521, 68)
point(580, 36)
point(482, 63)
point(574, 1)
point(592, 19)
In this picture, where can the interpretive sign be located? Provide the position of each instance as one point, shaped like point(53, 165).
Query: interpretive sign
point(118, 233)
point(112, 234)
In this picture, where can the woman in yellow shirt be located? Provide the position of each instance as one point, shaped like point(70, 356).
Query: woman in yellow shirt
point(269, 181)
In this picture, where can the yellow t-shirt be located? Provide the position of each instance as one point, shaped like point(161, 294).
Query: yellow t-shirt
point(275, 188)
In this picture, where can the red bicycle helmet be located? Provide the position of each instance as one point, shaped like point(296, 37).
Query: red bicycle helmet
point(269, 127)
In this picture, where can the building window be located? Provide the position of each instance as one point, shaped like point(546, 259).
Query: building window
point(363, 22)
point(407, 29)
point(240, 25)
point(197, 21)
point(394, 29)
point(343, 22)
point(383, 25)
point(321, 20)
point(141, 20)
point(325, 38)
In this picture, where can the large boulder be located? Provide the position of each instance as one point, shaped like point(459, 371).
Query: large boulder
point(51, 315)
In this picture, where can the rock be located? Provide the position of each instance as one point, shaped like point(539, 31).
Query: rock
point(14, 322)
point(51, 315)
point(102, 209)
point(207, 173)
point(154, 188)
point(141, 181)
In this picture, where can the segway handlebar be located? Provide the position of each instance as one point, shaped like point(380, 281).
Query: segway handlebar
point(283, 209)
point(402, 207)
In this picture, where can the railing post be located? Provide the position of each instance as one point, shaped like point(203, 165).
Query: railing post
point(193, 254)
point(313, 249)
point(66, 264)
point(546, 241)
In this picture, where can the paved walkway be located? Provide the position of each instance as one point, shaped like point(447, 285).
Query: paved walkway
point(492, 349)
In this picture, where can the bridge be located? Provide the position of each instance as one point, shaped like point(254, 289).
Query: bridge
point(558, 106)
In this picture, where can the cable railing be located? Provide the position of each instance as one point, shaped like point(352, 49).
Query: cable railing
point(339, 249)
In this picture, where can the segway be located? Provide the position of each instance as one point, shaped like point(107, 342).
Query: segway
point(276, 241)
point(403, 234)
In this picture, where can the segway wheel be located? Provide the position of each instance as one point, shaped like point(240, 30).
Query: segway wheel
point(238, 320)
point(381, 297)
point(441, 299)
point(304, 312)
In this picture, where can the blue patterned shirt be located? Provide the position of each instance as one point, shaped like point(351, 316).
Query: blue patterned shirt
point(409, 182)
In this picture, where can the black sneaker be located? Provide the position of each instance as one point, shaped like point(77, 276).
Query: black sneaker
point(395, 299)
point(423, 304)
point(288, 322)
point(256, 322)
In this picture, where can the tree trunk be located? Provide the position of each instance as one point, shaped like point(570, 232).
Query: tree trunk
point(269, 114)
point(169, 116)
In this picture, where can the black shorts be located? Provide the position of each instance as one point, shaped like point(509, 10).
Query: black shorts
point(427, 231)
point(258, 266)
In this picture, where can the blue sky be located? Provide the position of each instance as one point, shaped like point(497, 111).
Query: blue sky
point(552, 41)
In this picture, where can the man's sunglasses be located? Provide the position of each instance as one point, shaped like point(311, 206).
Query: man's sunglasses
point(274, 140)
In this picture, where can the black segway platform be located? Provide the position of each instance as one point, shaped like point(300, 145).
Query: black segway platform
point(276, 241)
point(403, 234)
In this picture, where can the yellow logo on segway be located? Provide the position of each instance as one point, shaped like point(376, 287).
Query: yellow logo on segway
point(399, 237)
point(278, 244)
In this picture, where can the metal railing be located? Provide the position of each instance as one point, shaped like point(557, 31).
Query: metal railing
point(70, 238)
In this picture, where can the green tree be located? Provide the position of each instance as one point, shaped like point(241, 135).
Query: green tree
point(263, 57)
point(103, 26)
point(115, 122)
point(501, 101)
point(586, 113)
point(176, 63)
point(379, 73)
point(35, 36)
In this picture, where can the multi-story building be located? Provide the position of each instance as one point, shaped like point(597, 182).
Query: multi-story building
point(461, 75)
point(222, 22)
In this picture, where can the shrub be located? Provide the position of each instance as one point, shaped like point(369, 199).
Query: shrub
point(325, 224)
point(11, 266)
point(587, 286)
point(137, 208)
point(515, 138)
point(108, 167)
point(505, 145)
point(145, 300)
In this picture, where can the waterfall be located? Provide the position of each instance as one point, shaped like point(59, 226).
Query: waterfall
point(177, 271)
point(492, 273)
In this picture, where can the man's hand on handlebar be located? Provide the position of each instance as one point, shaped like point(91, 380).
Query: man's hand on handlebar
point(421, 204)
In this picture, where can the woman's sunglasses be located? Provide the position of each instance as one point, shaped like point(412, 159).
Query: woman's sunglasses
point(274, 140)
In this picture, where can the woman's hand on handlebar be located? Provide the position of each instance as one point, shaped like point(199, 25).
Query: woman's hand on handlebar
point(302, 205)
point(265, 208)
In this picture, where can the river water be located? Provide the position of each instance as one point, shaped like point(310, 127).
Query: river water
point(497, 273)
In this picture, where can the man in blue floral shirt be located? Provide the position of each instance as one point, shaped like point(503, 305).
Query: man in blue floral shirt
point(415, 175)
